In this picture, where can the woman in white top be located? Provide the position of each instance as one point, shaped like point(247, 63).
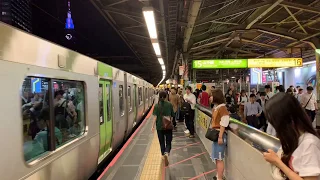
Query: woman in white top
point(242, 100)
point(300, 159)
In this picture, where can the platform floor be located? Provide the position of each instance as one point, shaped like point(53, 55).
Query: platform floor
point(188, 158)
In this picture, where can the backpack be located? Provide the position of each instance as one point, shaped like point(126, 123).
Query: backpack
point(185, 107)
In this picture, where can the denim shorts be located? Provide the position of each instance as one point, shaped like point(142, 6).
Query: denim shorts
point(218, 151)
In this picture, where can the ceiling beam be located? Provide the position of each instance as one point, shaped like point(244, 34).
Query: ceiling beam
point(194, 11)
point(296, 14)
point(258, 43)
point(232, 13)
point(300, 7)
point(295, 19)
point(241, 51)
point(211, 44)
point(118, 2)
point(260, 13)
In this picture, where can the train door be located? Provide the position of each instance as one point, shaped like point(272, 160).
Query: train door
point(105, 119)
point(135, 104)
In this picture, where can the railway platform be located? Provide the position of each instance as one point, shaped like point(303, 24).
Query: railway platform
point(140, 157)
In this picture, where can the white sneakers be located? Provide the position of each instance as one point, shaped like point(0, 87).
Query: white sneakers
point(187, 131)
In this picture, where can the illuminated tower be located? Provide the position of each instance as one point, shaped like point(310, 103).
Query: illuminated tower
point(69, 30)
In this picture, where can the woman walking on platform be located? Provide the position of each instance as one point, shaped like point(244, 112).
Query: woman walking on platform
point(163, 122)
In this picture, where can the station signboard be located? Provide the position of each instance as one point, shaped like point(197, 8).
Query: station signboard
point(274, 62)
point(220, 64)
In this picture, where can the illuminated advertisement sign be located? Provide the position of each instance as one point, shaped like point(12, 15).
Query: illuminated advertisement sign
point(219, 64)
point(256, 75)
point(274, 62)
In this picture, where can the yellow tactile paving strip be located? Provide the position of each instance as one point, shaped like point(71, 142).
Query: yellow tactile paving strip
point(154, 164)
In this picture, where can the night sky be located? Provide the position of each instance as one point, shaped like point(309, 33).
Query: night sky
point(94, 36)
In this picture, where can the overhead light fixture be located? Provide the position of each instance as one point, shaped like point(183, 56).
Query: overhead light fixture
point(233, 77)
point(151, 22)
point(161, 61)
point(156, 48)
point(163, 67)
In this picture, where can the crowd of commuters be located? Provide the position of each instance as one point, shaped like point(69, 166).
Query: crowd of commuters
point(287, 115)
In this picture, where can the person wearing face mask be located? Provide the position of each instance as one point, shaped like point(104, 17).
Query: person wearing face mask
point(163, 110)
point(190, 99)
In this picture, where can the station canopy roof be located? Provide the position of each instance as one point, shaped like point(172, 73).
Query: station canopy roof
point(211, 29)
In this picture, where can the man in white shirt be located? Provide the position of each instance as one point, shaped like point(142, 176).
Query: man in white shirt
point(189, 118)
point(309, 103)
point(269, 94)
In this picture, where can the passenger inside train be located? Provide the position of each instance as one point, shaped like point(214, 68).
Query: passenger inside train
point(68, 109)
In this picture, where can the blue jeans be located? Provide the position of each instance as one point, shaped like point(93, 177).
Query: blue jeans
point(218, 151)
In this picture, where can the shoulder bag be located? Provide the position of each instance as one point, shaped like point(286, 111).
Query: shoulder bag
point(212, 133)
point(166, 120)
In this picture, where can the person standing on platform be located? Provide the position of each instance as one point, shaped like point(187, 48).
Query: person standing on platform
point(210, 99)
point(189, 117)
point(262, 101)
point(204, 97)
point(299, 156)
point(309, 103)
point(220, 121)
point(252, 110)
point(163, 108)
point(174, 100)
point(269, 94)
point(243, 99)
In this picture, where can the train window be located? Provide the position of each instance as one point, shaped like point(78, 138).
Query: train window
point(140, 95)
point(108, 102)
point(129, 99)
point(121, 100)
point(145, 93)
point(41, 110)
point(35, 117)
point(101, 111)
point(68, 110)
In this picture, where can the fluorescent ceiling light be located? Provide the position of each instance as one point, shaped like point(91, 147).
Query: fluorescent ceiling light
point(233, 77)
point(164, 72)
point(151, 23)
point(163, 67)
point(160, 61)
point(156, 48)
point(310, 62)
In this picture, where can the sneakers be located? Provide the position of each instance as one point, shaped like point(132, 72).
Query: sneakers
point(187, 131)
point(191, 136)
point(166, 159)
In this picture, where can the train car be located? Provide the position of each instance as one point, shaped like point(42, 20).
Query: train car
point(63, 113)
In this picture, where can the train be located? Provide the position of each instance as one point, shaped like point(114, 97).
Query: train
point(63, 113)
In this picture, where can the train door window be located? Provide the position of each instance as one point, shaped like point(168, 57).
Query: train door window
point(129, 99)
point(101, 104)
point(69, 110)
point(35, 116)
point(121, 100)
point(145, 93)
point(108, 95)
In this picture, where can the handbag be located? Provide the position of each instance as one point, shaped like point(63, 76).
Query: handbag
point(166, 120)
point(212, 134)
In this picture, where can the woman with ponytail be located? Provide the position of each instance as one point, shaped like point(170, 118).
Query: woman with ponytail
point(162, 110)
point(300, 159)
